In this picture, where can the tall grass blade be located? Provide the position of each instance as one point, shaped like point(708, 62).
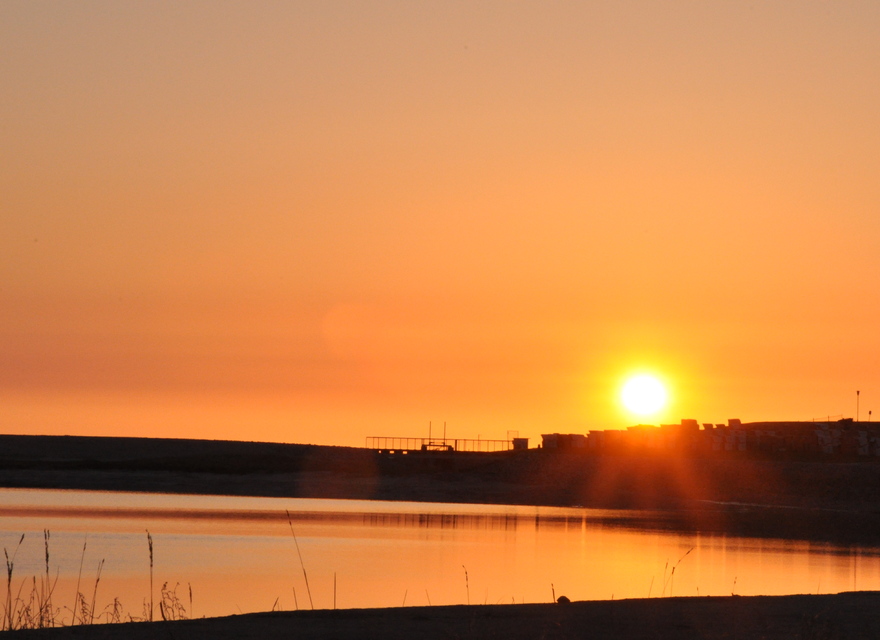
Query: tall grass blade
point(301, 564)
point(671, 580)
point(150, 545)
point(78, 594)
point(95, 592)
point(10, 566)
point(45, 587)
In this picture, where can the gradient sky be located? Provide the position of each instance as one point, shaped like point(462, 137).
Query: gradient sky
point(322, 221)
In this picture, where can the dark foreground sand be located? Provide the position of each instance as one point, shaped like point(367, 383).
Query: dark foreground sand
point(847, 615)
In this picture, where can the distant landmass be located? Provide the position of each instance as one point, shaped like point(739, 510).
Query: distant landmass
point(790, 498)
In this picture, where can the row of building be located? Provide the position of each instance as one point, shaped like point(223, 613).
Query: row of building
point(842, 438)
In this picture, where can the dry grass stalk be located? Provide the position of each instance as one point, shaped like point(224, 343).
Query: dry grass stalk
point(671, 580)
point(35, 610)
point(8, 606)
point(150, 545)
point(47, 613)
point(170, 606)
point(78, 595)
point(301, 564)
point(95, 592)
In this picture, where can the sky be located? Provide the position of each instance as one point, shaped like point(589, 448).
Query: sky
point(322, 221)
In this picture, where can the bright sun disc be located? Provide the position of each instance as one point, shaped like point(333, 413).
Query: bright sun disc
point(643, 395)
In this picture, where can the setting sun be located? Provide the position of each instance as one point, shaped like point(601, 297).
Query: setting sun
point(643, 395)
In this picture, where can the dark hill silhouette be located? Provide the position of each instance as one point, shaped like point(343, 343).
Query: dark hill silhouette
point(790, 499)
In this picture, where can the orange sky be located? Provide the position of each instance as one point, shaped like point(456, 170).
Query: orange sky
point(321, 221)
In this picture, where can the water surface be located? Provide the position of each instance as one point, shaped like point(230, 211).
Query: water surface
point(241, 554)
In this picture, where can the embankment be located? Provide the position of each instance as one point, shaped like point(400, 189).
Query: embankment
point(792, 499)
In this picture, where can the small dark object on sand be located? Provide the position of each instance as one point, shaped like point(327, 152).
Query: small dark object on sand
point(562, 600)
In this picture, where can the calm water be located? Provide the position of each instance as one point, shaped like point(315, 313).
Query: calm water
point(239, 554)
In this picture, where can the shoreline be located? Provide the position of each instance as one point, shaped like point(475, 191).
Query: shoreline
point(844, 615)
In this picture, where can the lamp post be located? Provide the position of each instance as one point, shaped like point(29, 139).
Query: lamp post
point(857, 405)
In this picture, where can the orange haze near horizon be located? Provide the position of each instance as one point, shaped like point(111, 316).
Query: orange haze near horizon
point(318, 222)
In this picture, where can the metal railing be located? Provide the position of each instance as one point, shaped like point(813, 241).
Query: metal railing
point(395, 444)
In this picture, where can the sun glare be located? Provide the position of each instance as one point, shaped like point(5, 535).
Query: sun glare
point(643, 395)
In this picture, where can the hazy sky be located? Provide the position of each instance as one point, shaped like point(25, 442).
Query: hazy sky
point(321, 221)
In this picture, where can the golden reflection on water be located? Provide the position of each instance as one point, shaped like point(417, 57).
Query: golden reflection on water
point(238, 554)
